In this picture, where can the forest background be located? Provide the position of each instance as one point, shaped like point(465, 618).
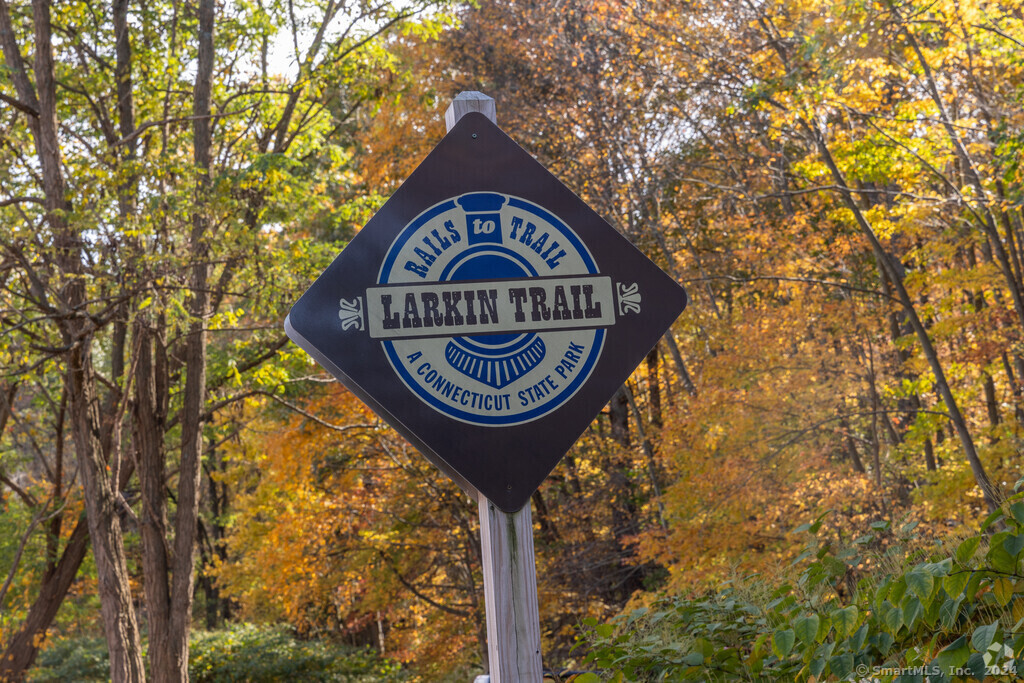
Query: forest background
point(837, 184)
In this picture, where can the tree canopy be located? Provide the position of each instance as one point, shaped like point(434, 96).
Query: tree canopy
point(838, 185)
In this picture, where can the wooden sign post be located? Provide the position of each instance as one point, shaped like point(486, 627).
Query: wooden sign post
point(506, 540)
point(510, 594)
point(487, 314)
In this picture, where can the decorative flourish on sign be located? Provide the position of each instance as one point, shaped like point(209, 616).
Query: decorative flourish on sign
point(629, 298)
point(351, 313)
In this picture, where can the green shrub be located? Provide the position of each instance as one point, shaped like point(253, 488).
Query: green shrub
point(957, 616)
point(259, 653)
point(72, 659)
point(243, 652)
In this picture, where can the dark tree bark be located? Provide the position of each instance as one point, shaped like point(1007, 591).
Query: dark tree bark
point(21, 650)
point(172, 571)
point(677, 358)
point(618, 418)
point(952, 407)
point(929, 455)
point(149, 424)
point(991, 403)
point(654, 387)
point(77, 329)
point(851, 447)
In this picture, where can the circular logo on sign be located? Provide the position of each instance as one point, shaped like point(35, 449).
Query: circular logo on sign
point(490, 309)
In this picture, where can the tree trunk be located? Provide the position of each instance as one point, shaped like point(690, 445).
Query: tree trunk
point(851, 447)
point(654, 387)
point(1018, 390)
point(941, 383)
point(618, 418)
point(7, 394)
point(652, 465)
point(988, 221)
point(101, 504)
point(23, 647)
point(677, 358)
point(100, 494)
point(149, 419)
point(991, 403)
point(21, 651)
point(929, 455)
point(180, 584)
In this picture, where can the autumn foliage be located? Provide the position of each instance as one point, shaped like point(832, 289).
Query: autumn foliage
point(838, 185)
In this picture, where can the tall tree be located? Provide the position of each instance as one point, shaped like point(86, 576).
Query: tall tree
point(160, 189)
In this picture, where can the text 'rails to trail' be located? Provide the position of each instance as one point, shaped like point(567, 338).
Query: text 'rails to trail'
point(440, 239)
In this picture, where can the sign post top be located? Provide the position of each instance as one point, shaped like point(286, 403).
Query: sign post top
point(468, 101)
point(485, 311)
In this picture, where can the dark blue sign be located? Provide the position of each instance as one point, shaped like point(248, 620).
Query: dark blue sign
point(486, 313)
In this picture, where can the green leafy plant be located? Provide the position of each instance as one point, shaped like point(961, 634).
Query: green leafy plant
point(241, 652)
point(259, 653)
point(955, 615)
point(72, 659)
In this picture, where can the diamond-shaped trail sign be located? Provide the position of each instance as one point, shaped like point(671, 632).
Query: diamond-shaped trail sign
point(486, 313)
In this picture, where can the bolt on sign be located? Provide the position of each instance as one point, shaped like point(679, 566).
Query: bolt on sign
point(486, 313)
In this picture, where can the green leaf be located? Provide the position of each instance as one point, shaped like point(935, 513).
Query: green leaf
point(759, 644)
point(587, 677)
point(983, 636)
point(883, 641)
point(881, 591)
point(1000, 560)
point(973, 585)
point(816, 527)
point(1002, 589)
point(921, 583)
point(604, 630)
point(975, 666)
point(954, 583)
point(704, 646)
point(693, 659)
point(892, 618)
point(806, 628)
point(910, 678)
point(992, 519)
point(858, 638)
point(841, 666)
point(844, 620)
point(1017, 510)
point(965, 551)
point(818, 665)
point(949, 613)
point(899, 588)
point(953, 655)
point(782, 643)
point(912, 611)
point(931, 612)
point(824, 626)
point(1014, 544)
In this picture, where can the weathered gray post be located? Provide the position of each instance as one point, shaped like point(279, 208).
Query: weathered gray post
point(506, 540)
